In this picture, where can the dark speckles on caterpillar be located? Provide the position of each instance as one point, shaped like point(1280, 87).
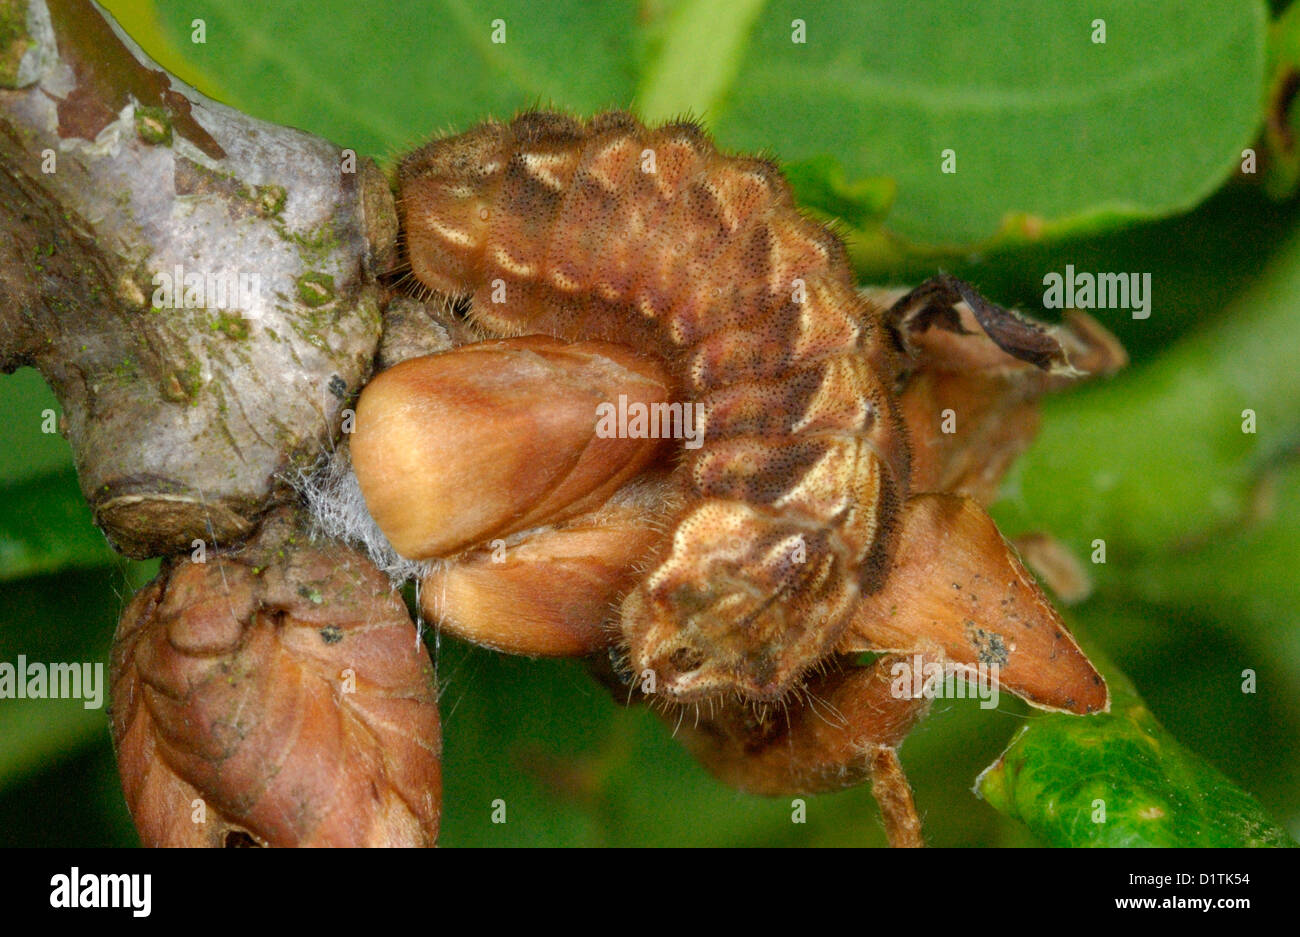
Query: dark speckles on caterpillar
point(651, 238)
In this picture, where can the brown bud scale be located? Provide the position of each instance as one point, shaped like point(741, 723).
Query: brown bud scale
point(278, 697)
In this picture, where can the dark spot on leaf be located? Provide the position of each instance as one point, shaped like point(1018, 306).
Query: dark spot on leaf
point(990, 647)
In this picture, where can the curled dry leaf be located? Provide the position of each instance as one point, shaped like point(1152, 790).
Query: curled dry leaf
point(971, 406)
point(276, 697)
point(958, 591)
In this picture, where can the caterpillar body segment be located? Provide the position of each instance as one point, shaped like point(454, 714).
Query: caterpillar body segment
point(649, 237)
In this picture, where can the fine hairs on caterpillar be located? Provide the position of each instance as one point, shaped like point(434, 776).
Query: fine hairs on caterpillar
point(648, 239)
point(654, 240)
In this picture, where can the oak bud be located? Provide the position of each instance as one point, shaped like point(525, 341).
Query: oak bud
point(279, 697)
point(452, 450)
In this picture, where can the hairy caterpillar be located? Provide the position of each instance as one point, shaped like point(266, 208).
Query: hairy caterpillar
point(651, 238)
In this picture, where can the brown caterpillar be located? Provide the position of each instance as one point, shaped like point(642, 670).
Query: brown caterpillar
point(653, 239)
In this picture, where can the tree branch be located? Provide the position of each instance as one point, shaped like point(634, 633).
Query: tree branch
point(198, 287)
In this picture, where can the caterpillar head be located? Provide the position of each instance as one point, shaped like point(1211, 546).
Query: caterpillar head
point(715, 618)
point(446, 206)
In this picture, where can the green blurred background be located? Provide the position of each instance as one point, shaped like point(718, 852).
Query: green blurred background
point(1115, 156)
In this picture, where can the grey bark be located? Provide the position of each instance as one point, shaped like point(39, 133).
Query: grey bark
point(183, 421)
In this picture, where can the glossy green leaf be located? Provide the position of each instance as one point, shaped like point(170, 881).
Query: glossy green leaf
point(1046, 125)
point(382, 77)
point(1052, 132)
point(1120, 779)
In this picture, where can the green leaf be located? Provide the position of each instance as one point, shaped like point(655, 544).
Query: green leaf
point(1243, 574)
point(697, 56)
point(1120, 779)
point(1281, 139)
point(820, 185)
point(46, 525)
point(65, 619)
point(577, 768)
point(1053, 134)
point(40, 732)
point(1047, 126)
point(382, 77)
point(32, 444)
point(140, 20)
point(1157, 456)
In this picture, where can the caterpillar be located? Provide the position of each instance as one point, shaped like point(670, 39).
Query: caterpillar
point(651, 238)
